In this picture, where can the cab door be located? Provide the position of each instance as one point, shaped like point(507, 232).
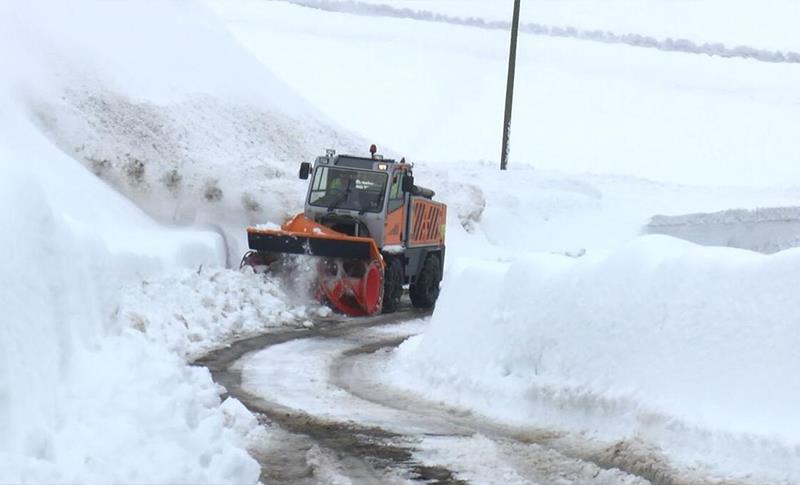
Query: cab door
point(395, 212)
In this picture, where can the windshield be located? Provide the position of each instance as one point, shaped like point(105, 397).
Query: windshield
point(343, 188)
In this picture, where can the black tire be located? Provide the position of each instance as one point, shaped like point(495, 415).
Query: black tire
point(392, 285)
point(425, 290)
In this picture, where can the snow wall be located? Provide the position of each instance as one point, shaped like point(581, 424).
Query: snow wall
point(693, 349)
point(84, 399)
point(183, 120)
point(81, 399)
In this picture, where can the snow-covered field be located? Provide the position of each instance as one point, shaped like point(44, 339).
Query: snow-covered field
point(435, 91)
point(697, 21)
point(577, 323)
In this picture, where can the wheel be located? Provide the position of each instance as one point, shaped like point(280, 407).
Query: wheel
point(392, 285)
point(425, 290)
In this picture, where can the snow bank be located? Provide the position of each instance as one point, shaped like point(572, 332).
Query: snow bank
point(693, 349)
point(183, 121)
point(205, 160)
point(83, 398)
point(499, 215)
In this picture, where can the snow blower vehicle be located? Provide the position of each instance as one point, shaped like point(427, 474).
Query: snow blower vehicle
point(370, 229)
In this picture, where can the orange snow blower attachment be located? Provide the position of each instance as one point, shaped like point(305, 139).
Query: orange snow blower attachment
point(350, 269)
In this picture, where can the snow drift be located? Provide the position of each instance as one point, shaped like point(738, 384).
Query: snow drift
point(693, 349)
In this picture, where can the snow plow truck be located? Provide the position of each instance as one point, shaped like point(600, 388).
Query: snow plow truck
point(371, 230)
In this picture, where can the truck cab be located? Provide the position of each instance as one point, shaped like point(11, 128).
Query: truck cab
point(376, 198)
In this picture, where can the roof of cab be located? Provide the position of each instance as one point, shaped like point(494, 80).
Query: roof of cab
point(358, 162)
point(363, 163)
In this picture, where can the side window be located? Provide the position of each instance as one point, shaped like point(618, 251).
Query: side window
point(396, 192)
point(318, 184)
point(321, 180)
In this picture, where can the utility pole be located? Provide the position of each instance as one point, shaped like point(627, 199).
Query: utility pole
point(512, 64)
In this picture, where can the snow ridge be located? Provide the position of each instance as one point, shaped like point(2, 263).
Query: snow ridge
point(732, 216)
point(765, 230)
point(668, 44)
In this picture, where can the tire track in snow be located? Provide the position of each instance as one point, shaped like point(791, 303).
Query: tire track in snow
point(316, 450)
point(716, 49)
point(427, 442)
point(554, 452)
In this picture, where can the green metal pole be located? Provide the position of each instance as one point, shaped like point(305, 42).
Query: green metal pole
point(512, 64)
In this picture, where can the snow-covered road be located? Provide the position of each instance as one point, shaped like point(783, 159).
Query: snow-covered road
point(333, 420)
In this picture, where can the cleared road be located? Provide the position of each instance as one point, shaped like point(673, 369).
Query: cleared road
point(331, 420)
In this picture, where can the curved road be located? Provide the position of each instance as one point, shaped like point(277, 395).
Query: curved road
point(331, 420)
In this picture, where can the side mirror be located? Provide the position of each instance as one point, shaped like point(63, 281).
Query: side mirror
point(408, 183)
point(305, 170)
